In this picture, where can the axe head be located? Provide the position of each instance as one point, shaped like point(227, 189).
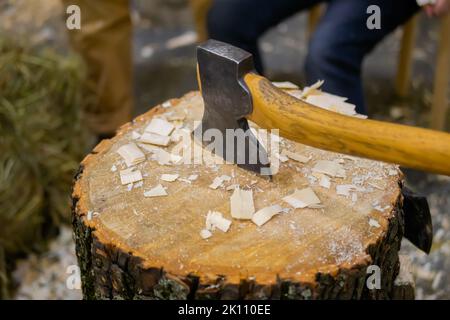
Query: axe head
point(227, 101)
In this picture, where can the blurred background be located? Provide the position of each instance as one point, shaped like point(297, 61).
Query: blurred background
point(43, 137)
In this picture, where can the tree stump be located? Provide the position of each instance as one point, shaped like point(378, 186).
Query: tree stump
point(133, 247)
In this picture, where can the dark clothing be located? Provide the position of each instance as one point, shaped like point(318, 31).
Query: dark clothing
point(337, 47)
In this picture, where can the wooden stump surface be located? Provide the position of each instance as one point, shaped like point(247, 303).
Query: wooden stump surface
point(130, 246)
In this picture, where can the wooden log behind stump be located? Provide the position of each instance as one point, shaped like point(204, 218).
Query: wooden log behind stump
point(132, 247)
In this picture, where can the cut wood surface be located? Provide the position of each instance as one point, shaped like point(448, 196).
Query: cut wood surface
point(132, 246)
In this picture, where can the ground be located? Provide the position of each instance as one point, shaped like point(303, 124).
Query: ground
point(284, 47)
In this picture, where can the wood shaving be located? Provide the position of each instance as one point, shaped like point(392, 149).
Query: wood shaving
point(166, 158)
point(205, 234)
point(285, 85)
point(331, 103)
point(374, 223)
point(167, 104)
point(169, 177)
point(381, 209)
point(325, 182)
point(135, 135)
point(175, 159)
point(241, 203)
point(265, 214)
point(295, 156)
point(302, 198)
point(138, 184)
point(344, 189)
point(131, 154)
point(193, 177)
point(160, 127)
point(309, 90)
point(330, 168)
point(218, 181)
point(296, 93)
point(130, 175)
point(155, 139)
point(157, 191)
point(215, 220)
point(392, 172)
point(149, 148)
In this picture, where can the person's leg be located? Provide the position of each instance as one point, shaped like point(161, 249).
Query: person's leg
point(104, 42)
point(242, 22)
point(342, 40)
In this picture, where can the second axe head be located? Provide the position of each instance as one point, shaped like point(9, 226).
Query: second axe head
point(227, 101)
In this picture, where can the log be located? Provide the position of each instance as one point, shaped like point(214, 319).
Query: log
point(135, 247)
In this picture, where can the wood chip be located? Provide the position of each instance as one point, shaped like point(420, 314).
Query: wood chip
point(296, 156)
point(169, 177)
point(302, 198)
point(131, 154)
point(308, 90)
point(130, 175)
point(344, 189)
point(374, 223)
point(331, 103)
point(241, 203)
point(193, 177)
point(165, 158)
point(157, 191)
point(167, 104)
point(265, 214)
point(285, 85)
point(160, 127)
point(149, 148)
point(205, 234)
point(218, 181)
point(155, 139)
point(331, 168)
point(113, 168)
point(392, 172)
point(325, 182)
point(215, 220)
point(135, 135)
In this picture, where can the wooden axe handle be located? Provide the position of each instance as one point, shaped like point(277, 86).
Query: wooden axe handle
point(300, 121)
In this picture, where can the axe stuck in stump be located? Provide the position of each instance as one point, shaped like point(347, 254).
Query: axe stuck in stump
point(160, 215)
point(233, 92)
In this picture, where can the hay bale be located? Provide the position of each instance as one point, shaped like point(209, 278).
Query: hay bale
point(42, 142)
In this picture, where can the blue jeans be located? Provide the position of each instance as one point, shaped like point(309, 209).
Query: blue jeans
point(337, 47)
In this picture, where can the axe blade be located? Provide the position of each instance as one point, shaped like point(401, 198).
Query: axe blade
point(227, 101)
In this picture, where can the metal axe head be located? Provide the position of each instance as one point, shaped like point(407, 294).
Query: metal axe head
point(227, 101)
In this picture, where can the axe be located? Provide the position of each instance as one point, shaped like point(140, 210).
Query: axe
point(233, 92)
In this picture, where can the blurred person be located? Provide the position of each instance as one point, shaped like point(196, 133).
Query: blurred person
point(104, 42)
point(337, 47)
